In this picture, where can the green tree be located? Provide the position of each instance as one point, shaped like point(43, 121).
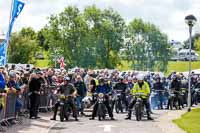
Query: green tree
point(89, 39)
point(23, 46)
point(194, 38)
point(197, 44)
point(147, 47)
point(107, 27)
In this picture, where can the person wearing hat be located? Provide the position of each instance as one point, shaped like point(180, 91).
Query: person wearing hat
point(34, 95)
point(141, 87)
point(68, 90)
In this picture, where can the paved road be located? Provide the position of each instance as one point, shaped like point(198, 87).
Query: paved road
point(44, 125)
point(95, 126)
point(118, 126)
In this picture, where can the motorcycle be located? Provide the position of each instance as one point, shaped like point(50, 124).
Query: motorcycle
point(139, 106)
point(65, 109)
point(118, 101)
point(101, 110)
point(183, 95)
point(196, 96)
point(172, 101)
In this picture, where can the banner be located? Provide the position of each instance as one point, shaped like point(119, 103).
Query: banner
point(16, 10)
point(3, 53)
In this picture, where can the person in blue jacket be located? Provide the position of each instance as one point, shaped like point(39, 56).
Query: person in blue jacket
point(2, 88)
point(105, 89)
point(2, 81)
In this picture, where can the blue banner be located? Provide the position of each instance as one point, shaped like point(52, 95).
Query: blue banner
point(3, 47)
point(16, 10)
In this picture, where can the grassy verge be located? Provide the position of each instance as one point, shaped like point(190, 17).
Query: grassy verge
point(179, 66)
point(43, 63)
point(190, 122)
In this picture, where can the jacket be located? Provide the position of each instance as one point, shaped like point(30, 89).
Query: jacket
point(103, 89)
point(145, 89)
point(81, 88)
point(2, 82)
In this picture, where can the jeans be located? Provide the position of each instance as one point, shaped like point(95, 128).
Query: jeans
point(18, 105)
point(79, 103)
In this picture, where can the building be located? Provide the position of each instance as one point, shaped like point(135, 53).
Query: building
point(2, 37)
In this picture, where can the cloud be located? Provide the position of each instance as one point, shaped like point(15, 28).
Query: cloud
point(168, 15)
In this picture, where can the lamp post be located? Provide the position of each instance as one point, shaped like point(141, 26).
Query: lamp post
point(190, 21)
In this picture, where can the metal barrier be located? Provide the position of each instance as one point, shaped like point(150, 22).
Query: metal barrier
point(10, 106)
point(47, 98)
point(2, 111)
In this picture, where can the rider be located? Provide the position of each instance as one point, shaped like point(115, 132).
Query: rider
point(143, 87)
point(176, 87)
point(102, 88)
point(68, 90)
point(122, 88)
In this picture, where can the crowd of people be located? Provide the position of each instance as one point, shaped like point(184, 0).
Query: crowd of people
point(82, 83)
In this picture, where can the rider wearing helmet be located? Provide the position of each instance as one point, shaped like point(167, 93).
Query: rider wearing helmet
point(68, 90)
point(123, 89)
point(176, 87)
point(141, 87)
point(104, 89)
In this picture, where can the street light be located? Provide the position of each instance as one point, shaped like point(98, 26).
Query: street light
point(190, 20)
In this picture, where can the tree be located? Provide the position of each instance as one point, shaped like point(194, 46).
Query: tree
point(194, 38)
point(107, 26)
point(23, 46)
point(197, 44)
point(89, 39)
point(147, 47)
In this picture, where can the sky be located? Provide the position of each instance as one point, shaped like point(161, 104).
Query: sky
point(168, 15)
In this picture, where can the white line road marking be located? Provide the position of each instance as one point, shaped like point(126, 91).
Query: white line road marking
point(107, 128)
point(50, 127)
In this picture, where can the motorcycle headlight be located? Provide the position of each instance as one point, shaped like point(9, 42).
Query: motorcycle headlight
point(100, 95)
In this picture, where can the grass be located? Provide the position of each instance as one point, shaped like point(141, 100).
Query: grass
point(190, 122)
point(181, 66)
point(178, 66)
point(43, 63)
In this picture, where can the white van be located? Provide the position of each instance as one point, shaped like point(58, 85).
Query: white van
point(184, 55)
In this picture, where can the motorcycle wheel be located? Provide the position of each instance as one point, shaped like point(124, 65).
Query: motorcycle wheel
point(138, 112)
point(171, 103)
point(100, 111)
point(62, 113)
point(117, 107)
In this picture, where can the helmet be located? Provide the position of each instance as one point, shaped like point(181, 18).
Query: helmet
point(66, 78)
point(121, 78)
point(130, 78)
point(140, 77)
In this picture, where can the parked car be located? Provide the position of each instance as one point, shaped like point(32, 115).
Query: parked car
point(39, 56)
point(184, 55)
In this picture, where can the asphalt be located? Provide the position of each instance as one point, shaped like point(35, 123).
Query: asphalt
point(84, 125)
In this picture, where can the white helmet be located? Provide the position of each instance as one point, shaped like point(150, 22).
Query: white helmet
point(140, 77)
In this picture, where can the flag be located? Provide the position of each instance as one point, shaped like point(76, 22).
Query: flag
point(3, 53)
point(62, 63)
point(16, 10)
